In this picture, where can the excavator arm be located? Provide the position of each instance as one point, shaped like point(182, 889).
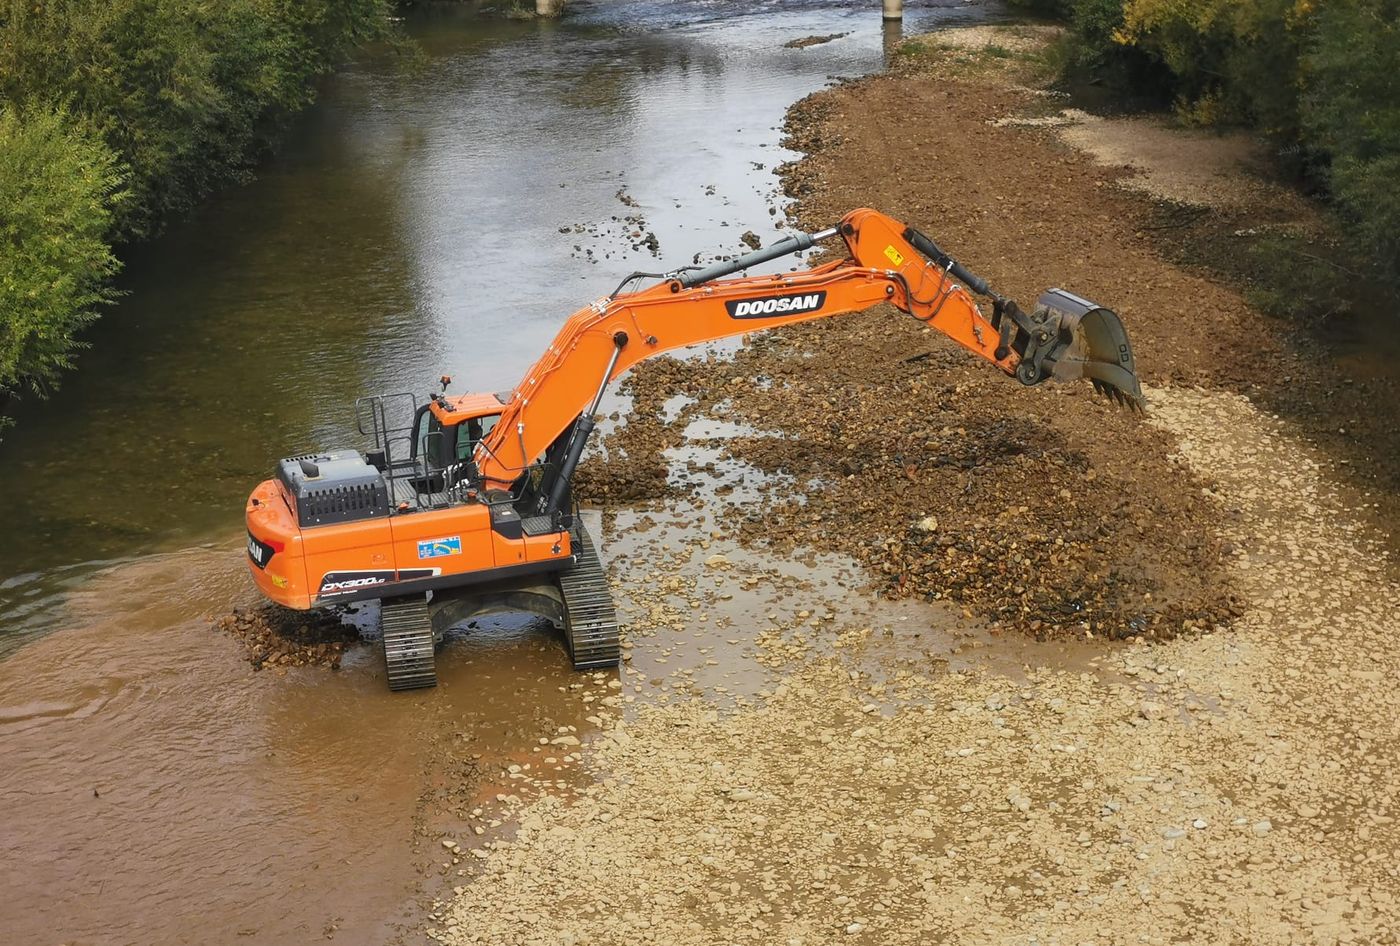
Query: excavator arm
point(886, 262)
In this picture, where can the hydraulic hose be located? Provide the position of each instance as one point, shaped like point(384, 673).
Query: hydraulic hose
point(583, 429)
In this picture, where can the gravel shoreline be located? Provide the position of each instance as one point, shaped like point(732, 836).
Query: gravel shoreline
point(1228, 788)
point(1224, 787)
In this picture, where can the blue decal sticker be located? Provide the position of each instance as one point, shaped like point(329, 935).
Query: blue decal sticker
point(436, 548)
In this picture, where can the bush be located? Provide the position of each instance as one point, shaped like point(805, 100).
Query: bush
point(174, 97)
point(1351, 111)
point(58, 186)
point(186, 92)
point(1322, 80)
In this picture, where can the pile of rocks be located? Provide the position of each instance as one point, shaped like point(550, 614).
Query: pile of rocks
point(276, 637)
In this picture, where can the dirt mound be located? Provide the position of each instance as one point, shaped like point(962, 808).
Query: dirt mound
point(627, 465)
point(806, 41)
point(276, 637)
point(1045, 510)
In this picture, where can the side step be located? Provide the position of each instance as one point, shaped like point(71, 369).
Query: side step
point(590, 621)
point(408, 643)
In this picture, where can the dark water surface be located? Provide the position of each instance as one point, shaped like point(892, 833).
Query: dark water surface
point(153, 788)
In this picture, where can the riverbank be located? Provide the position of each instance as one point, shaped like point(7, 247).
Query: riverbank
point(940, 776)
point(117, 119)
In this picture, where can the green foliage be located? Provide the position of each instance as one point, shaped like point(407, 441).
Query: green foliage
point(58, 185)
point(186, 94)
point(1321, 80)
point(913, 49)
point(1293, 277)
point(1351, 111)
point(184, 91)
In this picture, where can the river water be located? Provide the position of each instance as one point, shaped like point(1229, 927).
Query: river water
point(439, 215)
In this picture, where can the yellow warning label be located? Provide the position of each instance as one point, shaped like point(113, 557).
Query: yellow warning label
point(894, 255)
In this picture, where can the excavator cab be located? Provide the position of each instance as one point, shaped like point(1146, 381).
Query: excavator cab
point(445, 435)
point(447, 444)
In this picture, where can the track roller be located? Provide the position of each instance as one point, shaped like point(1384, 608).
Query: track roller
point(590, 621)
point(408, 643)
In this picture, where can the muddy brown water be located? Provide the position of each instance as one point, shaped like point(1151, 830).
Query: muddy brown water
point(158, 790)
point(155, 789)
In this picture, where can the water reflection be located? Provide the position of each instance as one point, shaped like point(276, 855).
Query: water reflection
point(891, 32)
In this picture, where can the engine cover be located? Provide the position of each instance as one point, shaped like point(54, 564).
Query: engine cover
point(338, 486)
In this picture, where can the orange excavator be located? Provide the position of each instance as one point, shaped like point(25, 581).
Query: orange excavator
point(465, 507)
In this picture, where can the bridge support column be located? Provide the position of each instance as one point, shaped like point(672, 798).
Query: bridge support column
point(894, 9)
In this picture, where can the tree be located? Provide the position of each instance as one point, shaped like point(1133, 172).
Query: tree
point(58, 186)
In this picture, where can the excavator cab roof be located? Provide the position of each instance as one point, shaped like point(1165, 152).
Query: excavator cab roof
point(455, 408)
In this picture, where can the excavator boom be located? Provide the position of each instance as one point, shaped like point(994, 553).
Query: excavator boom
point(467, 509)
point(1065, 337)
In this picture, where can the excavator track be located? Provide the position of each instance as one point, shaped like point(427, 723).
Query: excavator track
point(408, 643)
point(590, 621)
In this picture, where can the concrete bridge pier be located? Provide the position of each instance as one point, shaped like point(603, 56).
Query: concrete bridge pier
point(894, 9)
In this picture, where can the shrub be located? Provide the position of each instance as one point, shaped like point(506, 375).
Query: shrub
point(58, 186)
point(173, 97)
point(1351, 111)
point(186, 92)
point(1322, 80)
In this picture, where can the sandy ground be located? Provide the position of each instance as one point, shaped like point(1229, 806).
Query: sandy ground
point(1223, 776)
point(1188, 166)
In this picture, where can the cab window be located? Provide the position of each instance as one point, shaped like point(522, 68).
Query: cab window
point(430, 444)
point(470, 433)
point(424, 426)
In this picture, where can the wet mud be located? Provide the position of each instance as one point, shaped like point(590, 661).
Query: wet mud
point(276, 637)
point(805, 41)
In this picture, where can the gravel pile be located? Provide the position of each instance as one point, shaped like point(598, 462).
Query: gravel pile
point(1047, 511)
point(276, 637)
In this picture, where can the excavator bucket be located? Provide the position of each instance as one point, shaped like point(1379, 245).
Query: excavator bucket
point(1094, 345)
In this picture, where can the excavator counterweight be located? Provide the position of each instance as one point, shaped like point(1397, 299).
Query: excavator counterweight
point(462, 505)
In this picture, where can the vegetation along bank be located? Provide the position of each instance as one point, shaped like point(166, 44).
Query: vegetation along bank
point(116, 115)
point(1320, 81)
